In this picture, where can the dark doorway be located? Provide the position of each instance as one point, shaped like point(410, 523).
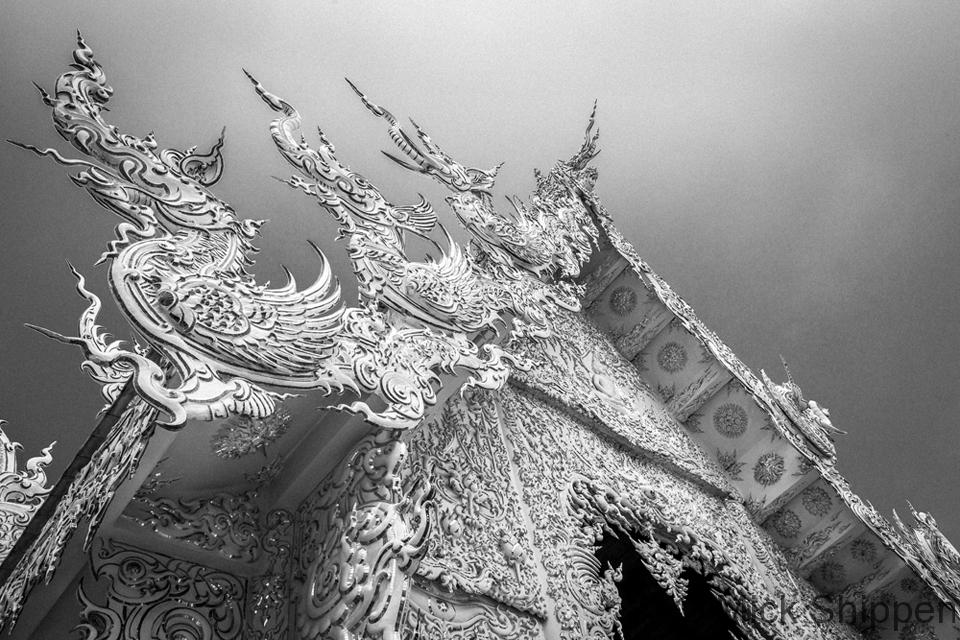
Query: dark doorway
point(647, 611)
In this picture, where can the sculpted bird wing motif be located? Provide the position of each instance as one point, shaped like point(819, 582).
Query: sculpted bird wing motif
point(268, 335)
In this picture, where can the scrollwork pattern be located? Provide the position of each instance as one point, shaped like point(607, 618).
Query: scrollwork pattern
point(268, 597)
point(152, 597)
point(225, 523)
point(178, 271)
point(434, 614)
point(359, 538)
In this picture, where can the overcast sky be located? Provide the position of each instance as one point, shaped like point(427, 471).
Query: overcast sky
point(791, 168)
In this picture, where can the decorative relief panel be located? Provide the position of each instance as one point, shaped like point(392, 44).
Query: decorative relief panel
point(806, 417)
point(225, 523)
point(580, 369)
point(268, 598)
point(436, 614)
point(243, 435)
point(478, 542)
point(359, 536)
point(178, 271)
point(152, 597)
point(554, 453)
point(935, 551)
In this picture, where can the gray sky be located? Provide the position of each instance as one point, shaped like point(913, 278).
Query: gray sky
point(791, 168)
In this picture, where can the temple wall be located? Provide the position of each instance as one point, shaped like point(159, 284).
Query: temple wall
point(553, 452)
point(582, 373)
point(483, 521)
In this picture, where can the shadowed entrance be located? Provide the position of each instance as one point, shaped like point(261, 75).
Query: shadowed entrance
point(648, 613)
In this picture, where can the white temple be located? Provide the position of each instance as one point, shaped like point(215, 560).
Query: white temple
point(531, 437)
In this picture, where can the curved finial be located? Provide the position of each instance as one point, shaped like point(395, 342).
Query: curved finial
point(787, 369)
point(588, 151)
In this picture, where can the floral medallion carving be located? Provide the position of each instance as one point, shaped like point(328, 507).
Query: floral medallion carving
point(730, 420)
point(910, 585)
point(672, 357)
point(863, 550)
point(623, 300)
point(816, 501)
point(769, 468)
point(832, 573)
point(786, 523)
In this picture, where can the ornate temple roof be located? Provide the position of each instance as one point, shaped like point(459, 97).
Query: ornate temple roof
point(223, 355)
